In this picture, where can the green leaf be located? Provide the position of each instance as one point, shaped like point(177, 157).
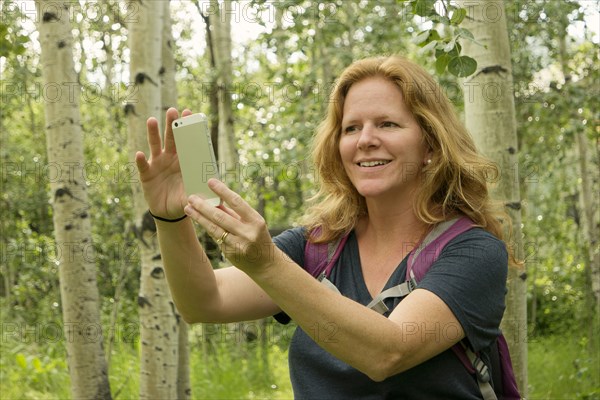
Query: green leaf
point(421, 37)
point(37, 364)
point(423, 8)
point(464, 33)
point(451, 45)
point(425, 37)
point(430, 46)
point(454, 50)
point(451, 50)
point(462, 66)
point(439, 18)
point(458, 16)
point(21, 360)
point(441, 63)
point(434, 35)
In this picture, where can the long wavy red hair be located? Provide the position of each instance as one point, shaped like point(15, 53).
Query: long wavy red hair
point(454, 183)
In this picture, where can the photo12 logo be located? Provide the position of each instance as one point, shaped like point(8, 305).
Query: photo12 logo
point(53, 332)
point(53, 172)
point(74, 11)
point(69, 92)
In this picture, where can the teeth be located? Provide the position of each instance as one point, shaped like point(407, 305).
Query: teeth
point(372, 163)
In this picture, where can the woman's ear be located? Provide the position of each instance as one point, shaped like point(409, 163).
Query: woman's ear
point(428, 156)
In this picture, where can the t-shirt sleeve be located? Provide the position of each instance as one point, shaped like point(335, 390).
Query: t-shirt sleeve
point(292, 242)
point(470, 277)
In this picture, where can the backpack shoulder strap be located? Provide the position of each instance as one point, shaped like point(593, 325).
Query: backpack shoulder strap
point(421, 258)
point(503, 379)
point(419, 262)
point(319, 258)
point(475, 365)
point(510, 390)
point(429, 249)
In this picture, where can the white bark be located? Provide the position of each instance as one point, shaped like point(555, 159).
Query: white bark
point(71, 211)
point(588, 217)
point(588, 205)
point(221, 35)
point(169, 99)
point(158, 322)
point(167, 71)
point(184, 385)
point(490, 117)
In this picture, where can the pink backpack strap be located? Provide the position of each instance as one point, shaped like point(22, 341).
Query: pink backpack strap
point(319, 258)
point(509, 382)
point(429, 249)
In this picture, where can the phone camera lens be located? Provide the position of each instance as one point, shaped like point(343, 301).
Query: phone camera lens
point(176, 124)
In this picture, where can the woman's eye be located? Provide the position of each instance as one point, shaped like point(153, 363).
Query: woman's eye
point(350, 129)
point(388, 124)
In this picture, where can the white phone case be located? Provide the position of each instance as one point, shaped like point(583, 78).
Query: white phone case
point(196, 155)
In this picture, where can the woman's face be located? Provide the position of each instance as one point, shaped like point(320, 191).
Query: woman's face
point(381, 144)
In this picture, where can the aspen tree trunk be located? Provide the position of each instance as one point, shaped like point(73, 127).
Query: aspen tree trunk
point(71, 211)
point(221, 35)
point(167, 71)
point(169, 99)
point(588, 215)
point(109, 71)
point(158, 322)
point(114, 111)
point(213, 91)
point(220, 20)
point(490, 117)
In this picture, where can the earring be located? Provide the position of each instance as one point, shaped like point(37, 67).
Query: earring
point(428, 161)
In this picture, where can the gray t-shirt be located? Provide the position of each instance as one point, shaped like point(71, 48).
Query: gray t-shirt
point(469, 276)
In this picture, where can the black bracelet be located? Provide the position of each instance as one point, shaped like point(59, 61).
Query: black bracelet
point(165, 219)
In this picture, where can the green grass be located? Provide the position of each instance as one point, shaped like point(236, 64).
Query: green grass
point(241, 374)
point(563, 367)
point(29, 370)
point(559, 368)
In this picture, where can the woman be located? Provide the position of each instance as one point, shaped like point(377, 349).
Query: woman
point(394, 161)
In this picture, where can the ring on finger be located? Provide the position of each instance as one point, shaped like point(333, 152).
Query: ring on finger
point(222, 238)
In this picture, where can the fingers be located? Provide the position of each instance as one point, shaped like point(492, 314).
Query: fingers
point(171, 115)
point(229, 211)
point(234, 200)
point(141, 162)
point(214, 219)
point(218, 232)
point(241, 233)
point(153, 137)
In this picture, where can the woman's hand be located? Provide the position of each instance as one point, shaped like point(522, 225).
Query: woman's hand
point(161, 175)
point(240, 230)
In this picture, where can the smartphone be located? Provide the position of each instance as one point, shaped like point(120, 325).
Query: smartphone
point(196, 155)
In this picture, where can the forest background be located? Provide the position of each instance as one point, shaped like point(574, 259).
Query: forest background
point(276, 74)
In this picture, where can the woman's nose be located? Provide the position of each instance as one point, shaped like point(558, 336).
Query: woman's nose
point(368, 137)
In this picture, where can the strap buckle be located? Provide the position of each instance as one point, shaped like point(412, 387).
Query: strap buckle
point(482, 371)
point(411, 284)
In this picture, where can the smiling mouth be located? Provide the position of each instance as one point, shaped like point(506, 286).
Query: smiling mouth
point(372, 163)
